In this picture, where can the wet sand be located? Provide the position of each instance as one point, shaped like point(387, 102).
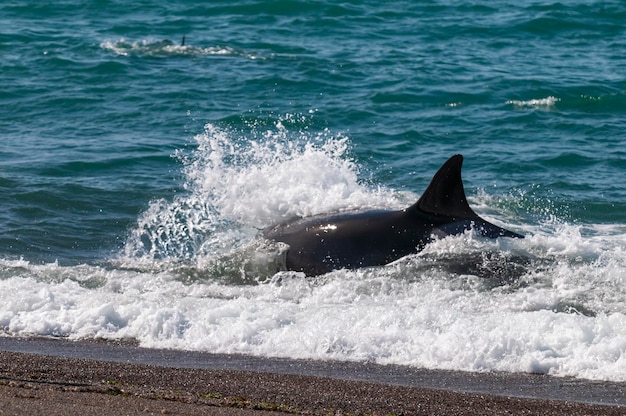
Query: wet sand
point(54, 378)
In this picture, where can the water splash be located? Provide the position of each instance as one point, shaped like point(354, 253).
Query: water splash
point(240, 181)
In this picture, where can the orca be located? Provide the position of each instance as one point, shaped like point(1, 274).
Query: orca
point(349, 240)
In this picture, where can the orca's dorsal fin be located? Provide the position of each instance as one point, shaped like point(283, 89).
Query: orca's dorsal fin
point(445, 195)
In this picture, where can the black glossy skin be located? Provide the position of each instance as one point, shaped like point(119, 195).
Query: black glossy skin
point(322, 243)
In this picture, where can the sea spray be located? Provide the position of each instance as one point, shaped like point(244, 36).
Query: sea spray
point(238, 182)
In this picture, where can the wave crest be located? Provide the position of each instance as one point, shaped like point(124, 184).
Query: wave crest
point(168, 48)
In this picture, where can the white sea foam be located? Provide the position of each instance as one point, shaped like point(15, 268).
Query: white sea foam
point(547, 102)
point(550, 303)
point(167, 48)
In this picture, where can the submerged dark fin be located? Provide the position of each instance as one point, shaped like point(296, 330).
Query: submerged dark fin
point(445, 195)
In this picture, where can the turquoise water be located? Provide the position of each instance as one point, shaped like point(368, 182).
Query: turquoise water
point(130, 162)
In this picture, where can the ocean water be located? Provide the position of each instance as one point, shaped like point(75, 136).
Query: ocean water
point(144, 146)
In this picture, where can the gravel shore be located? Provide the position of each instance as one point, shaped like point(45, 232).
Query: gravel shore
point(52, 385)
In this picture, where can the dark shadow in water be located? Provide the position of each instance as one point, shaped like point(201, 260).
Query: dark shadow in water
point(496, 269)
point(493, 270)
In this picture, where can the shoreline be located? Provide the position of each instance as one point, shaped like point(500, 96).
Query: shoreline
point(122, 377)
